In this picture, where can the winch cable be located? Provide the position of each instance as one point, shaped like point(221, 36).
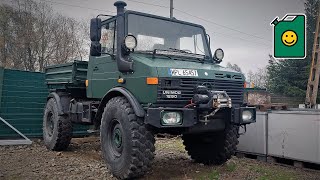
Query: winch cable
point(189, 105)
point(205, 121)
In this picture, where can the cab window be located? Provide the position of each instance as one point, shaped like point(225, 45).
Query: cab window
point(108, 35)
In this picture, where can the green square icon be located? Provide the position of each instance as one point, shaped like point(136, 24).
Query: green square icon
point(289, 36)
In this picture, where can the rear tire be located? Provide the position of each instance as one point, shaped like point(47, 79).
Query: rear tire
point(214, 148)
point(57, 130)
point(127, 144)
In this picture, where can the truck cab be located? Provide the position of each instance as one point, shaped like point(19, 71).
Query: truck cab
point(168, 59)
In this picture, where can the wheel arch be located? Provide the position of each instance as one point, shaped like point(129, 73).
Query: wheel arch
point(62, 100)
point(119, 91)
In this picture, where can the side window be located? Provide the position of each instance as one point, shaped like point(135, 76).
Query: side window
point(108, 43)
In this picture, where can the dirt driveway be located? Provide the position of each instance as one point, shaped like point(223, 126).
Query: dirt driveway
point(83, 161)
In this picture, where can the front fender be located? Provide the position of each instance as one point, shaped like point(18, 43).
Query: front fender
point(119, 91)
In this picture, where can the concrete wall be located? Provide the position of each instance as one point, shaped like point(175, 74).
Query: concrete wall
point(294, 135)
point(255, 139)
point(288, 134)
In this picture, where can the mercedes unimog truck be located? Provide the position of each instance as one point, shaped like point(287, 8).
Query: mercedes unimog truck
point(146, 75)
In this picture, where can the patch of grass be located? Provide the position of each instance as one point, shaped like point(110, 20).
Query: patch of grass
point(268, 173)
point(172, 143)
point(257, 169)
point(231, 167)
point(212, 175)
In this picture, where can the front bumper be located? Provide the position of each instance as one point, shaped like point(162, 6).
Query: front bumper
point(190, 117)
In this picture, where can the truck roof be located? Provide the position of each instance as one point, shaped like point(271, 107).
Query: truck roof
point(158, 17)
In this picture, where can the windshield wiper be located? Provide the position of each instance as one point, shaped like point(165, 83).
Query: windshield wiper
point(179, 50)
point(176, 53)
point(189, 54)
point(154, 53)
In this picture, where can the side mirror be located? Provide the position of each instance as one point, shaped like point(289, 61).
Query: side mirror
point(218, 55)
point(95, 29)
point(95, 36)
point(95, 48)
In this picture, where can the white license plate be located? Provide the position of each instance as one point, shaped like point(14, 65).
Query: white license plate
point(184, 72)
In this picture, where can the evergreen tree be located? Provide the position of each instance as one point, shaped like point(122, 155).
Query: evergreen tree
point(290, 76)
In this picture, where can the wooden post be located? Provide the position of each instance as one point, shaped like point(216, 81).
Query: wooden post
point(313, 82)
point(171, 9)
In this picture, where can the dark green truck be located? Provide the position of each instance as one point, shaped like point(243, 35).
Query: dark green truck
point(146, 75)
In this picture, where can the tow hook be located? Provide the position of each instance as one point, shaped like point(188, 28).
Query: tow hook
point(205, 121)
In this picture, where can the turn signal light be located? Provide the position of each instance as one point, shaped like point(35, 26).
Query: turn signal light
point(152, 80)
point(87, 82)
point(121, 81)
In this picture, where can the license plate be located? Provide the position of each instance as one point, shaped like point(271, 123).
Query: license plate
point(184, 72)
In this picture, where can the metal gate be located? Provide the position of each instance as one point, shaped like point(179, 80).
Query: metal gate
point(22, 101)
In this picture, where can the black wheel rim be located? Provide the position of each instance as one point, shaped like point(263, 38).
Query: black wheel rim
point(116, 138)
point(50, 124)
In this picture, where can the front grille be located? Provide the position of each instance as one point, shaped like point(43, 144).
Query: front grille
point(233, 88)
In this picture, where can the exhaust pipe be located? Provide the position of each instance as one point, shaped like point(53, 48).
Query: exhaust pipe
point(123, 62)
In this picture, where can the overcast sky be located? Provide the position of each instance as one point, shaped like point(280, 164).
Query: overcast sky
point(252, 17)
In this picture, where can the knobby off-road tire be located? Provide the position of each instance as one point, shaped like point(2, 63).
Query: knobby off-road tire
point(57, 130)
point(127, 144)
point(212, 148)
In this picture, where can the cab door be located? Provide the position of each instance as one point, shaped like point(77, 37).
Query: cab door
point(103, 70)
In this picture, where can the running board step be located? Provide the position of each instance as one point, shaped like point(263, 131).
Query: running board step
point(92, 131)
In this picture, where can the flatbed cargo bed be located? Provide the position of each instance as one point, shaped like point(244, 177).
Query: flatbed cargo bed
point(69, 75)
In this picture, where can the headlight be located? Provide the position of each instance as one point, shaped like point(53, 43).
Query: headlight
point(247, 115)
point(244, 115)
point(171, 118)
point(130, 42)
point(218, 55)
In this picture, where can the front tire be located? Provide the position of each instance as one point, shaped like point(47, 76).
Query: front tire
point(127, 144)
point(212, 148)
point(57, 130)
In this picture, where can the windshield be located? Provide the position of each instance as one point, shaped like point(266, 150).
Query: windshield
point(153, 33)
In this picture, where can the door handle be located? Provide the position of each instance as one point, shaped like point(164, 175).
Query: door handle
point(96, 68)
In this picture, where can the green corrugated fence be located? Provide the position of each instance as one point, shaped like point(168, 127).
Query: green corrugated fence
point(22, 101)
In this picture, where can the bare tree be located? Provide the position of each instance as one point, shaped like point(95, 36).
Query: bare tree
point(32, 36)
point(250, 76)
point(4, 35)
point(258, 78)
point(234, 67)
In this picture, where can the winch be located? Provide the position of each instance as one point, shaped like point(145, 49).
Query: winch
point(208, 99)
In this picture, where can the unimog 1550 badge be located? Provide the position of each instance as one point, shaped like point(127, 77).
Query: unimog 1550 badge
point(171, 94)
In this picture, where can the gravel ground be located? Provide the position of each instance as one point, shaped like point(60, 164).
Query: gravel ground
point(83, 161)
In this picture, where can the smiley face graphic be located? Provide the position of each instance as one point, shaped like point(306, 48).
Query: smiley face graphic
point(289, 38)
